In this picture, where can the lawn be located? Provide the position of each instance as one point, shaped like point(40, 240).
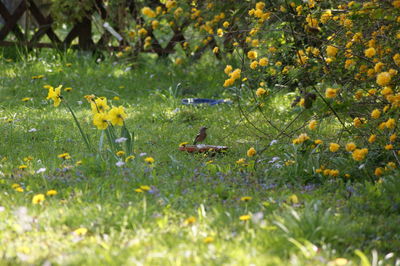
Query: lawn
point(181, 209)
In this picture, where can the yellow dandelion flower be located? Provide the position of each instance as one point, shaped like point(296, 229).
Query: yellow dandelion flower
point(190, 220)
point(129, 158)
point(145, 188)
point(38, 198)
point(120, 153)
point(64, 156)
point(80, 231)
point(245, 217)
point(51, 192)
point(245, 198)
point(149, 160)
point(293, 199)
point(208, 239)
point(378, 171)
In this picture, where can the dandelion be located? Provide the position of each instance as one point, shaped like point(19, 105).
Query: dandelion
point(225, 24)
point(38, 198)
point(19, 189)
point(145, 188)
point(190, 220)
point(208, 239)
point(22, 166)
point(251, 152)
point(334, 147)
point(51, 192)
point(293, 199)
point(241, 161)
point(139, 190)
point(318, 141)
point(26, 99)
point(245, 198)
point(183, 144)
point(64, 156)
point(80, 231)
point(149, 160)
point(120, 153)
point(129, 158)
point(245, 217)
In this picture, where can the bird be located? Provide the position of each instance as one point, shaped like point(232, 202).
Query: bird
point(201, 136)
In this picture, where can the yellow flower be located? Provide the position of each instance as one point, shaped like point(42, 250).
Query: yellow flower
point(23, 166)
point(318, 141)
point(19, 189)
point(312, 125)
point(155, 24)
point(99, 105)
point(260, 92)
point(149, 160)
point(370, 52)
point(225, 24)
point(120, 153)
point(339, 262)
point(81, 231)
point(293, 199)
point(208, 239)
point(331, 51)
point(383, 78)
point(372, 138)
point(389, 147)
point(393, 137)
point(376, 114)
point(148, 12)
point(183, 144)
point(229, 82)
point(263, 61)
point(253, 65)
point(357, 122)
point(64, 156)
point(100, 120)
point(139, 190)
point(129, 158)
point(350, 146)
point(215, 50)
point(241, 161)
point(378, 171)
point(220, 32)
point(116, 98)
point(190, 220)
point(390, 123)
point(246, 198)
point(14, 186)
point(38, 198)
point(334, 147)
point(55, 95)
point(51, 192)
point(252, 55)
point(68, 89)
point(235, 74)
point(26, 99)
point(359, 154)
point(251, 152)
point(245, 217)
point(386, 91)
point(145, 188)
point(228, 69)
point(330, 93)
point(334, 173)
point(117, 115)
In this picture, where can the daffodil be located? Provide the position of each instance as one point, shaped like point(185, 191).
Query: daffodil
point(100, 120)
point(99, 105)
point(55, 95)
point(117, 116)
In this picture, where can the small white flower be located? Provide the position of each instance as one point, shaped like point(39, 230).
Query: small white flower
point(41, 170)
point(142, 154)
point(80, 102)
point(120, 163)
point(176, 110)
point(120, 140)
point(274, 141)
point(274, 159)
point(32, 130)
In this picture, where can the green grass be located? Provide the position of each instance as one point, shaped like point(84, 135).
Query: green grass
point(332, 219)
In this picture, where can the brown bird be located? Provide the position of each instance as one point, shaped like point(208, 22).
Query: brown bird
point(201, 136)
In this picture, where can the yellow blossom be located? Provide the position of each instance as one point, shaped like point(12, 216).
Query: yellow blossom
point(120, 153)
point(38, 198)
point(149, 160)
point(318, 141)
point(129, 158)
point(263, 61)
point(225, 24)
point(80, 231)
point(23, 166)
point(64, 156)
point(245, 198)
point(208, 239)
point(390, 123)
point(330, 93)
point(252, 55)
point(389, 147)
point(260, 92)
point(383, 79)
point(331, 51)
point(293, 199)
point(359, 154)
point(370, 52)
point(145, 188)
point(51, 192)
point(253, 65)
point(55, 95)
point(100, 120)
point(378, 171)
point(312, 125)
point(376, 114)
point(99, 105)
point(241, 161)
point(251, 152)
point(350, 146)
point(190, 220)
point(393, 137)
point(245, 217)
point(117, 115)
point(334, 147)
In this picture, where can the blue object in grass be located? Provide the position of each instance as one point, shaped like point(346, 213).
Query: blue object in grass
point(195, 101)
